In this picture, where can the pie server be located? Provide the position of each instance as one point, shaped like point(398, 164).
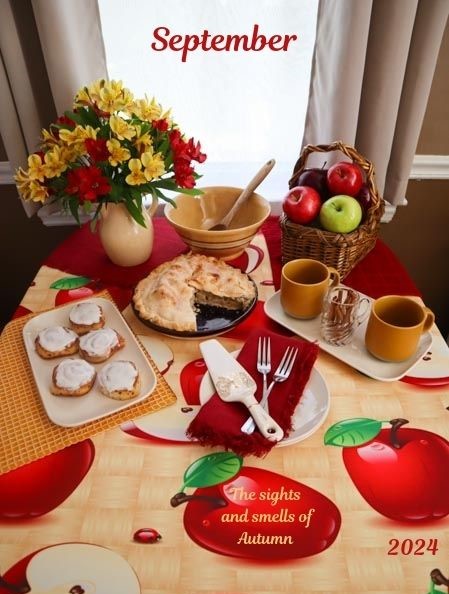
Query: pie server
point(234, 384)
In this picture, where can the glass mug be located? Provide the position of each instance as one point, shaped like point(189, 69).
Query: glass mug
point(343, 312)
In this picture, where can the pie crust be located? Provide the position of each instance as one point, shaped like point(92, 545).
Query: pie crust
point(169, 296)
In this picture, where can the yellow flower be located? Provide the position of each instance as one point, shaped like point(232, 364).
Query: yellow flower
point(37, 192)
point(147, 110)
point(78, 135)
point(154, 165)
point(118, 154)
point(114, 97)
point(142, 141)
point(121, 128)
point(36, 169)
point(23, 181)
point(136, 177)
point(55, 162)
point(48, 137)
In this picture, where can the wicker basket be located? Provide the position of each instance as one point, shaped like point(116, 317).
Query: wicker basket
point(340, 250)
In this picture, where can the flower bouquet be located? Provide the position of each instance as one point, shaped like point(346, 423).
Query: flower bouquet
point(112, 148)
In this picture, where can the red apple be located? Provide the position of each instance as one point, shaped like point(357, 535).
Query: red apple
point(315, 178)
point(38, 487)
point(344, 178)
point(300, 523)
point(364, 198)
point(302, 204)
point(402, 473)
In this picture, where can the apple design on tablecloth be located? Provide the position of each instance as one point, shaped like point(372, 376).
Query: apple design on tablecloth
point(254, 513)
point(401, 472)
point(40, 486)
point(72, 568)
point(437, 579)
point(71, 288)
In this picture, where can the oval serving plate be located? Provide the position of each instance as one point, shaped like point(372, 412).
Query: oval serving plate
point(210, 320)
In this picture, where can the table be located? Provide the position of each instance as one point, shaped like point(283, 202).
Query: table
point(127, 475)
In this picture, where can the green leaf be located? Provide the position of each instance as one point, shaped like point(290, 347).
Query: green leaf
point(73, 206)
point(76, 117)
point(212, 469)
point(191, 191)
point(352, 432)
point(135, 212)
point(70, 282)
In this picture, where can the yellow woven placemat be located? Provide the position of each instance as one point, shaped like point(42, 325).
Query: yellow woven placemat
point(26, 433)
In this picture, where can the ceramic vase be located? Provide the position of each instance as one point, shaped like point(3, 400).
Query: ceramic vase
point(125, 241)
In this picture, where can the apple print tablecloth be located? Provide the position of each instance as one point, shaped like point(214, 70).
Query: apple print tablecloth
point(311, 517)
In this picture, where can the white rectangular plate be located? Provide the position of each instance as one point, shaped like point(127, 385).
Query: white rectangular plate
point(71, 411)
point(355, 353)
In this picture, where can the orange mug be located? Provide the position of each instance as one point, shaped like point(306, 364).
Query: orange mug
point(395, 326)
point(304, 284)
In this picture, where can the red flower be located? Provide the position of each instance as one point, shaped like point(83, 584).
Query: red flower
point(195, 151)
point(183, 173)
point(65, 121)
point(87, 183)
point(97, 149)
point(161, 125)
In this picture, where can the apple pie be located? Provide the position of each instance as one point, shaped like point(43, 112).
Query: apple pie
point(169, 297)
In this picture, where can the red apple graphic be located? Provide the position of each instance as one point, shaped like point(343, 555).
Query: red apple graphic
point(255, 514)
point(71, 288)
point(437, 579)
point(401, 472)
point(71, 568)
point(40, 486)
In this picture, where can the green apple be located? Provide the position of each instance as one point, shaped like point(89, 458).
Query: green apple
point(340, 214)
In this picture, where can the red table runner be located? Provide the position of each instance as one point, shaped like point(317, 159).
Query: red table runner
point(379, 273)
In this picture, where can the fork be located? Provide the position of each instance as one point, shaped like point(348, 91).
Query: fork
point(264, 360)
point(282, 373)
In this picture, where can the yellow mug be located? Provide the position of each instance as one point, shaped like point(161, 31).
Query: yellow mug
point(304, 283)
point(395, 326)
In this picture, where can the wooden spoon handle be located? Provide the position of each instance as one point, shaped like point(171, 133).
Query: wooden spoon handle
point(253, 184)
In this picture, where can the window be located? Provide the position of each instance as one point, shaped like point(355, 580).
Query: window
point(244, 107)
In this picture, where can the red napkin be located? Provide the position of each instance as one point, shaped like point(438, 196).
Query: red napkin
point(218, 423)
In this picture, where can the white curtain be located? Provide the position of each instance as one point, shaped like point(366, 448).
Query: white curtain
point(372, 71)
point(71, 43)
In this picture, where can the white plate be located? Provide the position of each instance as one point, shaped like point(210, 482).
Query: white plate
point(74, 411)
point(310, 413)
point(354, 354)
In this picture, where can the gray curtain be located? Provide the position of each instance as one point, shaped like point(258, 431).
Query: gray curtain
point(48, 49)
point(372, 71)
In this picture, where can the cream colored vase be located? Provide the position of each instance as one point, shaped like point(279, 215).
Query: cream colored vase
point(125, 241)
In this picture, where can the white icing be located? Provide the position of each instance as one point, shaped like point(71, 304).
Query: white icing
point(98, 343)
point(118, 375)
point(56, 338)
point(85, 314)
point(73, 373)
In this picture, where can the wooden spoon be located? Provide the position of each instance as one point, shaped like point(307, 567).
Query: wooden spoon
point(222, 224)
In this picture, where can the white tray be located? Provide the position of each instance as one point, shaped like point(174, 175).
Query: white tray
point(73, 411)
point(354, 354)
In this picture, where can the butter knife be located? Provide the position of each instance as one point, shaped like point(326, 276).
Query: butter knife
point(234, 384)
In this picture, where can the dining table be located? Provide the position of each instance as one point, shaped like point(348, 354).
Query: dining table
point(355, 498)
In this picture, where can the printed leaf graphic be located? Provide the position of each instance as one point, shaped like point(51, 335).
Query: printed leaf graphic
point(352, 432)
point(212, 469)
point(70, 282)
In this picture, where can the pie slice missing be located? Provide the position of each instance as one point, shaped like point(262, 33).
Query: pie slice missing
point(170, 295)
